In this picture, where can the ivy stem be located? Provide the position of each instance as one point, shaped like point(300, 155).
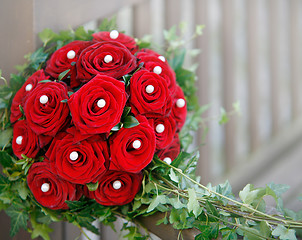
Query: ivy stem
point(222, 196)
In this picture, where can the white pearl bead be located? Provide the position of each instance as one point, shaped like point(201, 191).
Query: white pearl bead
point(167, 160)
point(73, 156)
point(43, 99)
point(45, 187)
point(114, 34)
point(117, 184)
point(160, 128)
point(150, 89)
point(71, 54)
point(101, 103)
point(137, 144)
point(180, 103)
point(157, 70)
point(108, 58)
point(28, 87)
point(162, 58)
point(19, 140)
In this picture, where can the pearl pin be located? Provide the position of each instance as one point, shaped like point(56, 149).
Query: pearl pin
point(157, 70)
point(160, 128)
point(43, 99)
point(114, 34)
point(136, 144)
point(28, 87)
point(117, 184)
point(150, 89)
point(167, 160)
point(73, 156)
point(108, 58)
point(180, 103)
point(162, 58)
point(101, 103)
point(19, 140)
point(71, 54)
point(45, 187)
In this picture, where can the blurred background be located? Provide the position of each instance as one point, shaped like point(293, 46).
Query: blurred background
point(250, 52)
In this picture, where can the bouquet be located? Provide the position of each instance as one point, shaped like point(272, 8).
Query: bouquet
point(97, 125)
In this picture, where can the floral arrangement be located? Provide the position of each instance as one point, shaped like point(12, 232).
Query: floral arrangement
point(97, 125)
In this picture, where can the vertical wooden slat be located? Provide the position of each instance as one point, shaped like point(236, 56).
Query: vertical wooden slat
point(157, 14)
point(125, 20)
point(228, 79)
point(253, 84)
point(201, 17)
point(173, 12)
point(295, 56)
point(141, 19)
point(274, 54)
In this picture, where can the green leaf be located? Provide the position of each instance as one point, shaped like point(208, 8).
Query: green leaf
point(117, 127)
point(159, 199)
point(5, 137)
point(176, 203)
point(173, 176)
point(22, 189)
point(199, 29)
point(82, 34)
point(228, 234)
point(211, 209)
point(85, 221)
point(19, 218)
point(92, 186)
point(126, 112)
point(4, 183)
point(223, 116)
point(164, 220)
point(130, 122)
point(108, 24)
point(47, 35)
point(126, 79)
point(42, 230)
point(284, 233)
point(193, 204)
point(63, 74)
point(37, 58)
point(177, 61)
point(6, 160)
point(45, 81)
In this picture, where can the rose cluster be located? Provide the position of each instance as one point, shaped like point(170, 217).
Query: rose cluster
point(74, 121)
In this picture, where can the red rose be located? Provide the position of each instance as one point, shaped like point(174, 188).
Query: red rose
point(44, 110)
point(61, 60)
point(149, 94)
point(179, 109)
point(48, 189)
point(109, 58)
point(132, 149)
point(116, 188)
point(21, 95)
point(170, 152)
point(114, 35)
point(78, 162)
point(155, 63)
point(165, 129)
point(25, 141)
point(98, 105)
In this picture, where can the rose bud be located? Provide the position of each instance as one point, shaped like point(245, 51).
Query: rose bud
point(132, 149)
point(23, 92)
point(107, 58)
point(116, 188)
point(149, 95)
point(98, 105)
point(48, 189)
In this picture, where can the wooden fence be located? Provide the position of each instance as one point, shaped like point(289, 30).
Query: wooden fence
point(251, 53)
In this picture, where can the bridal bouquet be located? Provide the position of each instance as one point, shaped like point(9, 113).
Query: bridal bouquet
point(96, 125)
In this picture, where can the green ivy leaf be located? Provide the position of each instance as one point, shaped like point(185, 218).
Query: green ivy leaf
point(284, 233)
point(159, 199)
point(193, 204)
point(92, 186)
point(85, 221)
point(19, 217)
point(177, 61)
point(6, 160)
point(42, 230)
point(223, 116)
point(130, 122)
point(108, 24)
point(5, 137)
point(47, 35)
point(4, 183)
point(173, 176)
point(45, 81)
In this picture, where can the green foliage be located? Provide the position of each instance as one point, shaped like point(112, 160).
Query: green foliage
point(174, 190)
